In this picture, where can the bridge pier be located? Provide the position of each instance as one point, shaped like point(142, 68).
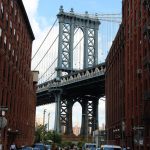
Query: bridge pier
point(84, 125)
point(57, 95)
point(69, 130)
point(89, 117)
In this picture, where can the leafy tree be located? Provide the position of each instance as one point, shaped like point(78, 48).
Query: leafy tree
point(41, 135)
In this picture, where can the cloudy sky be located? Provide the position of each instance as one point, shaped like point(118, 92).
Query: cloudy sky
point(42, 14)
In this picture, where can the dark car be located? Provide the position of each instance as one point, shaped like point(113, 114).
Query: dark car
point(41, 146)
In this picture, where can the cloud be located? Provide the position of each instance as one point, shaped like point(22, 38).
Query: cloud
point(31, 8)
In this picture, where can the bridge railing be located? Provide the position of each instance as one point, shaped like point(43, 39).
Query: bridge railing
point(74, 77)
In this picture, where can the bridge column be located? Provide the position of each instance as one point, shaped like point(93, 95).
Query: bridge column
point(96, 46)
point(69, 130)
point(71, 44)
point(95, 125)
point(85, 64)
point(84, 125)
point(57, 126)
point(60, 43)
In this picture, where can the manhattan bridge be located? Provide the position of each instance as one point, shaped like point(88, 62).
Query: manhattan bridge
point(71, 69)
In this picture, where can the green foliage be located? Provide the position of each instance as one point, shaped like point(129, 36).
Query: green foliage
point(48, 137)
point(66, 144)
point(80, 144)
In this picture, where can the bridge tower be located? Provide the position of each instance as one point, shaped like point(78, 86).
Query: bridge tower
point(68, 22)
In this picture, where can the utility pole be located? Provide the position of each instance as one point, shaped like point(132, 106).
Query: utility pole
point(48, 120)
point(44, 116)
point(43, 125)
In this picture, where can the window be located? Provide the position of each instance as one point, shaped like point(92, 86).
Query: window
point(15, 12)
point(0, 35)
point(12, 4)
point(13, 52)
point(9, 46)
point(7, 16)
point(6, 20)
point(0, 32)
point(1, 11)
point(5, 41)
point(17, 38)
point(14, 32)
point(11, 27)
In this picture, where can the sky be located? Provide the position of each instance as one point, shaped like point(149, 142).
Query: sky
point(42, 14)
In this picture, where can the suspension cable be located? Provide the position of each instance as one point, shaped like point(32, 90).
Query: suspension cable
point(50, 76)
point(44, 39)
point(78, 42)
point(107, 20)
point(57, 57)
point(46, 52)
point(48, 68)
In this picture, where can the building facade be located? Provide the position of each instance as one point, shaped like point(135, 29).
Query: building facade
point(17, 90)
point(115, 114)
point(136, 20)
point(135, 61)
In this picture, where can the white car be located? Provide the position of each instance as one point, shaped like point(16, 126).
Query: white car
point(110, 147)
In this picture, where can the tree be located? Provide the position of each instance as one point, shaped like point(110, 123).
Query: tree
point(46, 136)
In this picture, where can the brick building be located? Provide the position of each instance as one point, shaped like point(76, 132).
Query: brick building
point(136, 76)
point(136, 20)
point(17, 90)
point(115, 90)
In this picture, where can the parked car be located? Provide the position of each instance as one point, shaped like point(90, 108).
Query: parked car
point(41, 146)
point(27, 148)
point(35, 148)
point(110, 147)
point(48, 147)
point(89, 146)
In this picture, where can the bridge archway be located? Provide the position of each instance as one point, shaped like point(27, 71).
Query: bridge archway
point(78, 49)
point(76, 120)
point(68, 22)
